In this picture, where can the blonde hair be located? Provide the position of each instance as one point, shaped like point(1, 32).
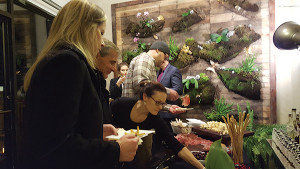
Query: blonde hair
point(75, 24)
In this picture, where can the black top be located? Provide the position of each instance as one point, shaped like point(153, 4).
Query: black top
point(63, 116)
point(121, 109)
point(114, 90)
point(104, 98)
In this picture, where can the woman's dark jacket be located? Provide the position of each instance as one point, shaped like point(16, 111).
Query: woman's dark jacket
point(104, 98)
point(63, 120)
point(114, 90)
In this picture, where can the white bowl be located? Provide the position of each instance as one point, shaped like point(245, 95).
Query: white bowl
point(185, 130)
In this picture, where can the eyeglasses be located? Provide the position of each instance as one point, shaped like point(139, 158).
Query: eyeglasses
point(158, 103)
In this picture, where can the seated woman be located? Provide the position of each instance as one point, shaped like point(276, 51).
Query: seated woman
point(130, 113)
point(115, 87)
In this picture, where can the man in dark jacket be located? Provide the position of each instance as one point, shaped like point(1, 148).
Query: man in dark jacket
point(170, 77)
point(106, 62)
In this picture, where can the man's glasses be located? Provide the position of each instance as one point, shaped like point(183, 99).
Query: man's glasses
point(158, 103)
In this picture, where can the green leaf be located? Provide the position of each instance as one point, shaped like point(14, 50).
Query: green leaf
point(224, 32)
point(196, 84)
point(214, 36)
point(184, 80)
point(225, 39)
point(217, 158)
point(187, 84)
point(218, 40)
point(143, 46)
point(148, 24)
point(185, 14)
point(193, 81)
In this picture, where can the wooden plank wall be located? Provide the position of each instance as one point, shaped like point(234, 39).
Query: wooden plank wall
point(217, 16)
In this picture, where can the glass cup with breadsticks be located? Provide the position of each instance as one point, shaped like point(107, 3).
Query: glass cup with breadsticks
point(236, 132)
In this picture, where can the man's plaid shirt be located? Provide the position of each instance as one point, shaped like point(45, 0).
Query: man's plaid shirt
point(141, 68)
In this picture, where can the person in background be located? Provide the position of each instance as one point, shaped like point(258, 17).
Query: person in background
point(106, 62)
point(116, 84)
point(142, 70)
point(170, 77)
point(63, 118)
point(132, 112)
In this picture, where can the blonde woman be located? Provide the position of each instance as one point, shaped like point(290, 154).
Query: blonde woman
point(63, 125)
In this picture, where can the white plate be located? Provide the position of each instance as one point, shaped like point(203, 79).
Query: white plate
point(147, 132)
point(184, 109)
point(195, 122)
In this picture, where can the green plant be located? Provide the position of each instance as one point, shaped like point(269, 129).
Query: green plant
point(251, 114)
point(187, 13)
point(257, 148)
point(218, 38)
point(189, 39)
point(238, 108)
point(221, 108)
point(128, 55)
point(173, 49)
point(187, 82)
point(203, 78)
point(216, 152)
point(144, 19)
point(247, 66)
point(142, 46)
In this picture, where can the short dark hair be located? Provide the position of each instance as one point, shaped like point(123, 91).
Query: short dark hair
point(151, 87)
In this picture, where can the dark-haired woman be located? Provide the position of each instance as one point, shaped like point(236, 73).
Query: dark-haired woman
point(130, 113)
point(115, 88)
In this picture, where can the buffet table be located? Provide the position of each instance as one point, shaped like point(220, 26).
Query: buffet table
point(165, 158)
point(213, 136)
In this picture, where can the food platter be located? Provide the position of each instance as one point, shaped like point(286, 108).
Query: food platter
point(211, 135)
point(142, 133)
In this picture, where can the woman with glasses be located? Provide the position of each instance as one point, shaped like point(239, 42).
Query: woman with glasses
point(128, 113)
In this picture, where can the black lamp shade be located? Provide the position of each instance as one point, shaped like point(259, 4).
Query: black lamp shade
point(287, 36)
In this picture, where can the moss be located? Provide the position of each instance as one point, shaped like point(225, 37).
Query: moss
point(243, 4)
point(214, 54)
point(189, 41)
point(240, 86)
point(247, 87)
point(187, 21)
point(193, 93)
point(224, 51)
point(207, 94)
point(183, 59)
point(245, 38)
point(134, 28)
point(232, 83)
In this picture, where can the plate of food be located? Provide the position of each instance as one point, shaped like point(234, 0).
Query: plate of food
point(137, 132)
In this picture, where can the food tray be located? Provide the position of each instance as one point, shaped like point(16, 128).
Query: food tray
point(213, 136)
